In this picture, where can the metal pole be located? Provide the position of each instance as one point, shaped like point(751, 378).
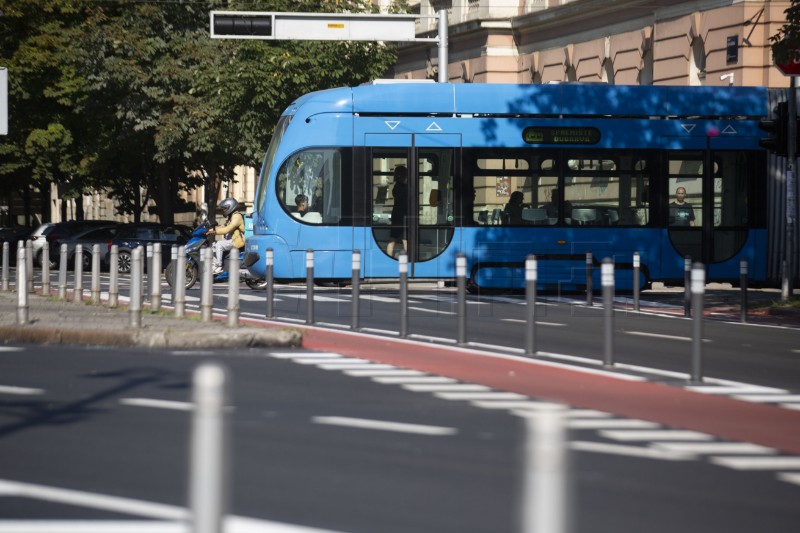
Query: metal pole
point(461, 284)
point(95, 273)
point(206, 287)
point(270, 284)
point(135, 304)
point(743, 285)
point(179, 282)
point(22, 289)
point(698, 289)
point(77, 296)
point(636, 281)
point(62, 273)
point(443, 45)
point(589, 280)
point(148, 286)
point(356, 293)
point(46, 269)
point(531, 274)
point(607, 282)
point(29, 263)
point(6, 254)
point(546, 488)
point(791, 191)
point(233, 289)
point(173, 259)
point(309, 286)
point(687, 269)
point(209, 473)
point(402, 265)
point(154, 275)
point(113, 276)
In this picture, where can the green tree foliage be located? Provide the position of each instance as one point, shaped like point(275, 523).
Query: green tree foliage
point(786, 43)
point(134, 95)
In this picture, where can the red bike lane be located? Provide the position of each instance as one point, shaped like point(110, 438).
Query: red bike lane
point(724, 417)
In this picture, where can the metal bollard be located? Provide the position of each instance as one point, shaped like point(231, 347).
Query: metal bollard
point(113, 277)
point(636, 281)
point(743, 285)
point(46, 269)
point(461, 285)
point(135, 304)
point(356, 292)
point(687, 299)
point(77, 296)
point(173, 259)
point(270, 284)
point(6, 254)
point(179, 283)
point(206, 287)
point(698, 291)
point(209, 469)
point(546, 495)
point(309, 286)
point(402, 265)
point(95, 272)
point(233, 289)
point(531, 278)
point(154, 275)
point(589, 279)
point(22, 286)
point(607, 282)
point(147, 271)
point(29, 264)
point(62, 273)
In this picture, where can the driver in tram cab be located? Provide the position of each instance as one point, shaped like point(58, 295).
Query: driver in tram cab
point(680, 212)
point(233, 230)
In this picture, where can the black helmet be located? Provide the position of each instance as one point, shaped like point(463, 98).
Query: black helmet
point(228, 206)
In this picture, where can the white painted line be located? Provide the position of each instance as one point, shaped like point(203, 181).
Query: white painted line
point(452, 387)
point(758, 463)
point(658, 336)
point(532, 405)
point(92, 526)
point(587, 413)
point(400, 380)
point(470, 396)
point(328, 360)
point(744, 389)
point(538, 323)
point(607, 423)
point(356, 366)
point(25, 391)
point(378, 372)
point(305, 355)
point(795, 406)
point(628, 451)
point(158, 404)
point(434, 311)
point(11, 349)
point(707, 448)
point(769, 398)
point(655, 435)
point(383, 425)
point(383, 299)
point(790, 477)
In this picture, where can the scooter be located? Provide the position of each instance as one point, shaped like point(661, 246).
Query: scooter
point(197, 241)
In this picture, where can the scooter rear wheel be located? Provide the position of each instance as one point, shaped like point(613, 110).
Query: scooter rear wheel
point(191, 274)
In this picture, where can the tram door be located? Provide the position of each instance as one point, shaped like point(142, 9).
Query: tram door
point(412, 203)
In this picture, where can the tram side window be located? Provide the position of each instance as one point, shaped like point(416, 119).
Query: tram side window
point(685, 199)
point(731, 189)
point(309, 186)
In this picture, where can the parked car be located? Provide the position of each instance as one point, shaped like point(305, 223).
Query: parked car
point(87, 239)
point(12, 236)
point(54, 232)
point(142, 234)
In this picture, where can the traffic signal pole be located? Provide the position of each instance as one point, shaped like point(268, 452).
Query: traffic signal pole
point(787, 287)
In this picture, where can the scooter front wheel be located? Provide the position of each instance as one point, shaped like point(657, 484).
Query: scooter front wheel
point(191, 274)
point(257, 284)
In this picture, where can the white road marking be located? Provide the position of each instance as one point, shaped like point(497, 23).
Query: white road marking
point(305, 355)
point(768, 398)
point(795, 406)
point(790, 477)
point(469, 396)
point(25, 391)
point(377, 372)
point(628, 451)
point(446, 387)
point(383, 425)
point(538, 323)
point(701, 448)
point(92, 526)
point(158, 404)
point(659, 336)
point(434, 311)
point(655, 435)
point(400, 380)
point(355, 366)
point(736, 389)
point(758, 463)
point(329, 360)
point(607, 423)
point(11, 349)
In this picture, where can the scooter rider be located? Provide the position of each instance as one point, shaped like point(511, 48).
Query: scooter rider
point(233, 231)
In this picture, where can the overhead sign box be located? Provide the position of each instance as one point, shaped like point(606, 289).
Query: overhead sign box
point(3, 101)
point(313, 26)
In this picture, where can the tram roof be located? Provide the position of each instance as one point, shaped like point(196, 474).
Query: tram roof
point(567, 99)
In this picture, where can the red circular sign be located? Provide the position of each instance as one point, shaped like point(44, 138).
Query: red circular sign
point(789, 68)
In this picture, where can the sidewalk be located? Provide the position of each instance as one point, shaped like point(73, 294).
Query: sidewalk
point(52, 321)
